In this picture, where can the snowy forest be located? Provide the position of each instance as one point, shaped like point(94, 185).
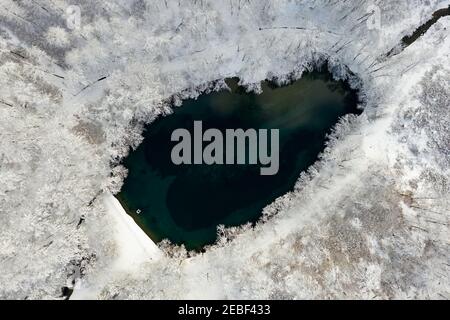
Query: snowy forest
point(80, 79)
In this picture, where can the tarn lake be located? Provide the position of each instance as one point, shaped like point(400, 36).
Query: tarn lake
point(186, 203)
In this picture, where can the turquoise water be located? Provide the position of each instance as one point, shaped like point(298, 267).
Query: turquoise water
point(185, 203)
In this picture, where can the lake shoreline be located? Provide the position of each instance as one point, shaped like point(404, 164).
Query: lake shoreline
point(306, 110)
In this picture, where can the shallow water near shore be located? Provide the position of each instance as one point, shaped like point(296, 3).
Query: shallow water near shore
point(186, 203)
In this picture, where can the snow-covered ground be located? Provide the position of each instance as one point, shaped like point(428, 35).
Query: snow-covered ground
point(135, 248)
point(369, 220)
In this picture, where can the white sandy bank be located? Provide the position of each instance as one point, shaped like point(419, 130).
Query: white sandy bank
point(134, 247)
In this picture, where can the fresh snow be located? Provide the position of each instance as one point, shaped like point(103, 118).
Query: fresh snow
point(134, 246)
point(369, 220)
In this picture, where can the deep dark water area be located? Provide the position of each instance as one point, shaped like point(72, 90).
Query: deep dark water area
point(186, 202)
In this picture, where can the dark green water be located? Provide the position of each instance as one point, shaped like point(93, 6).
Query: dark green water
point(185, 203)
